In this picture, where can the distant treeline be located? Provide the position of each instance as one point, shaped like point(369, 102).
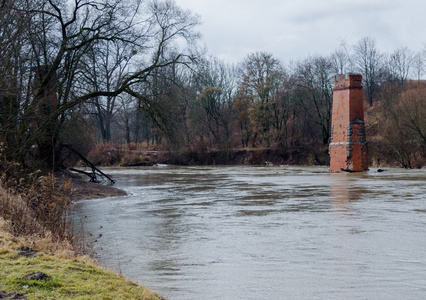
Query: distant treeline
point(85, 73)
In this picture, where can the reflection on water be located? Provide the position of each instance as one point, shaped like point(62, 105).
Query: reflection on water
point(342, 193)
point(266, 233)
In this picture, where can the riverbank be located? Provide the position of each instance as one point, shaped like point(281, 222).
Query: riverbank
point(116, 156)
point(35, 266)
point(27, 273)
point(129, 155)
point(82, 189)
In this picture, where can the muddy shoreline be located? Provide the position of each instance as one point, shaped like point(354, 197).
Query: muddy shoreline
point(83, 189)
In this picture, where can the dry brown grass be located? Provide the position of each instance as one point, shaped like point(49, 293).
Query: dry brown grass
point(105, 154)
point(49, 232)
point(45, 242)
point(35, 213)
point(34, 208)
point(110, 154)
point(36, 205)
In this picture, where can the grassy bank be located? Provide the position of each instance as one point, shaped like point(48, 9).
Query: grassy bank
point(69, 277)
point(36, 237)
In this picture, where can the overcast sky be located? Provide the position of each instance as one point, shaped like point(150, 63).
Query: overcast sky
point(295, 29)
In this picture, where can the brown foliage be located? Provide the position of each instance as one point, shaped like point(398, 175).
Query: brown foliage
point(105, 154)
point(34, 204)
point(110, 154)
point(397, 127)
point(37, 205)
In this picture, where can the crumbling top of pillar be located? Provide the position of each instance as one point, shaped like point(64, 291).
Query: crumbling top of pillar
point(347, 81)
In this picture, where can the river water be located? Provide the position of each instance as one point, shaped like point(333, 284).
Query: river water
point(264, 232)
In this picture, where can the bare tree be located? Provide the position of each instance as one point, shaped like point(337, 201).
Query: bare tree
point(341, 60)
point(313, 91)
point(400, 64)
point(61, 35)
point(215, 84)
point(262, 76)
point(418, 65)
point(405, 128)
point(106, 64)
point(368, 61)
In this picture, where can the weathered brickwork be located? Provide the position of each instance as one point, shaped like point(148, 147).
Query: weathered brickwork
point(348, 147)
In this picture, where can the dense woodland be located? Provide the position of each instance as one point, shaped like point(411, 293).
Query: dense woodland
point(91, 75)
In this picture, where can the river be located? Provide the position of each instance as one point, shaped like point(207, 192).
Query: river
point(264, 232)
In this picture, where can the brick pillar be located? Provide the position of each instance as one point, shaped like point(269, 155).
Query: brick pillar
point(348, 147)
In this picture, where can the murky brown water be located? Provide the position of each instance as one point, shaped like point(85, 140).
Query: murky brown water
point(265, 232)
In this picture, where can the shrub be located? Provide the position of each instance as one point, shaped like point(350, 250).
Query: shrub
point(37, 205)
point(105, 154)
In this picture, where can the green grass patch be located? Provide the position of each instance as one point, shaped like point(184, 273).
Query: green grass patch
point(68, 278)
